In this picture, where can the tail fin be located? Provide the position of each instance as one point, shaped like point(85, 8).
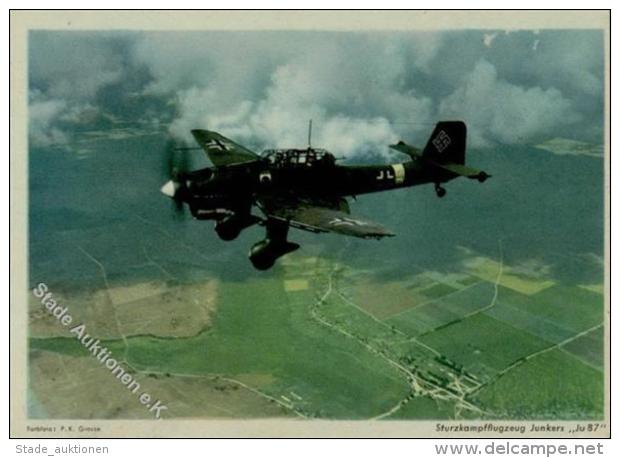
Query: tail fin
point(447, 143)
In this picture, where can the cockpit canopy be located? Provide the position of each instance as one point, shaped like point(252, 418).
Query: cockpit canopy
point(307, 157)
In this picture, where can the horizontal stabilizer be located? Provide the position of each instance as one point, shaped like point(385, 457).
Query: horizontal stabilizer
point(464, 171)
point(409, 150)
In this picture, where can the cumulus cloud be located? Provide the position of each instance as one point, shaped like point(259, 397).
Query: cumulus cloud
point(41, 117)
point(488, 38)
point(66, 72)
point(267, 123)
point(498, 111)
point(351, 86)
point(363, 90)
point(75, 65)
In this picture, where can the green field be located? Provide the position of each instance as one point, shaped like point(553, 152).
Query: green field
point(548, 386)
point(275, 336)
point(302, 338)
point(589, 348)
point(485, 343)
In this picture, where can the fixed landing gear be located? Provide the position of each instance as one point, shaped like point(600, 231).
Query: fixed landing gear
point(230, 227)
point(264, 254)
point(439, 190)
point(261, 257)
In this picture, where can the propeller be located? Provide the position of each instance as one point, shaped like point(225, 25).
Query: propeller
point(176, 165)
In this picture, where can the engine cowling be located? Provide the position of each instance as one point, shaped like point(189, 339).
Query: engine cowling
point(212, 206)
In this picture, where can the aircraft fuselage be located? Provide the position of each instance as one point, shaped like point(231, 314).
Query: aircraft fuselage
point(333, 180)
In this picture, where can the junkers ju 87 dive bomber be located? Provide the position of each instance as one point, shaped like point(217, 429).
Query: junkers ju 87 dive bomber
point(304, 188)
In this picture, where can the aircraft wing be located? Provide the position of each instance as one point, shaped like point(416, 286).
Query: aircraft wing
point(221, 150)
point(317, 215)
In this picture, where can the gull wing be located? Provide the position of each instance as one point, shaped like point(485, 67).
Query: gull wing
point(318, 215)
point(221, 150)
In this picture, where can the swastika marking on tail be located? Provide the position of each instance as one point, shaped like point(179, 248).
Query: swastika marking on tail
point(441, 141)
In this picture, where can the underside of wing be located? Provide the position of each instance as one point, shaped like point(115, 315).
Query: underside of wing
point(322, 216)
point(221, 150)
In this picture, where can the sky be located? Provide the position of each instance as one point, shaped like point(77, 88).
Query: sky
point(105, 106)
point(363, 91)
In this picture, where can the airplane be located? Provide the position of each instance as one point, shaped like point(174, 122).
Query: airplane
point(304, 188)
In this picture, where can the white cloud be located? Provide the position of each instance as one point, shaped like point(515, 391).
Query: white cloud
point(498, 111)
point(350, 91)
point(41, 116)
point(361, 89)
point(488, 38)
point(74, 66)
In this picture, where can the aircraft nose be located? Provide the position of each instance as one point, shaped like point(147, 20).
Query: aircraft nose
point(169, 188)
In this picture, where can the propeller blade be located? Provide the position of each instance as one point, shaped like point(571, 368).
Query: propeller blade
point(176, 164)
point(178, 209)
